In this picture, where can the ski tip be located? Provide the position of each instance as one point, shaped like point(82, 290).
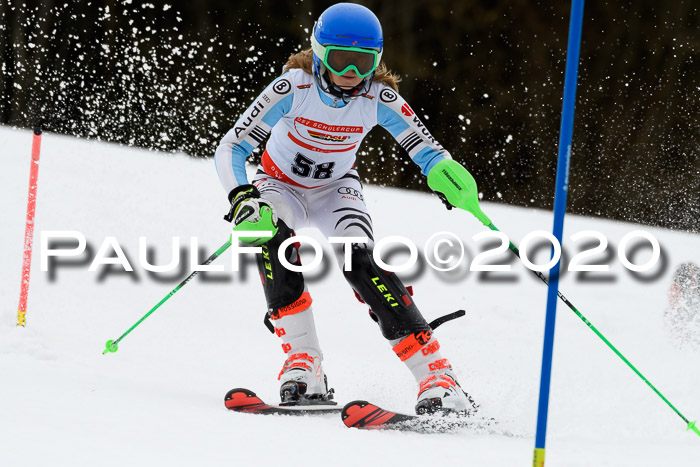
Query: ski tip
point(353, 403)
point(352, 411)
point(357, 402)
point(362, 414)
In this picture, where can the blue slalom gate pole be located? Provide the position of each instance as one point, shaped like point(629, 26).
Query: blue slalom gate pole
point(561, 190)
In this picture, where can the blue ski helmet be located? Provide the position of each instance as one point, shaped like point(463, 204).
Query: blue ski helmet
point(347, 36)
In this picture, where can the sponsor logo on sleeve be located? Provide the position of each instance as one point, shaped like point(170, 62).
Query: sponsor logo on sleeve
point(282, 86)
point(425, 132)
point(387, 95)
point(244, 124)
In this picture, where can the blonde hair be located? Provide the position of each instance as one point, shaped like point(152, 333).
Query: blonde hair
point(304, 60)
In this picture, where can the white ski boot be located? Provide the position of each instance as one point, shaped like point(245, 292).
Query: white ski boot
point(438, 390)
point(303, 381)
point(442, 393)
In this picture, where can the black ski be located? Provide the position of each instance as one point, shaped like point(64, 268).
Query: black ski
point(362, 414)
point(246, 401)
point(365, 415)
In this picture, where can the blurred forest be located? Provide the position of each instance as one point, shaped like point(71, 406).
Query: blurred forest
point(486, 77)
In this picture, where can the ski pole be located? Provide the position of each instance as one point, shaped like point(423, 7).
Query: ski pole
point(464, 195)
point(690, 425)
point(29, 228)
point(111, 345)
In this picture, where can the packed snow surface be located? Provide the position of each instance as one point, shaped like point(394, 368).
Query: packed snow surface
point(159, 399)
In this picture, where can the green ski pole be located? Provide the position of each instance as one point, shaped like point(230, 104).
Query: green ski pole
point(456, 185)
point(112, 345)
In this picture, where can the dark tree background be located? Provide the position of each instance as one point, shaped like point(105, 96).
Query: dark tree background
point(486, 76)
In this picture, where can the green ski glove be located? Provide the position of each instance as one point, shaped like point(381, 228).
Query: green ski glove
point(456, 187)
point(251, 212)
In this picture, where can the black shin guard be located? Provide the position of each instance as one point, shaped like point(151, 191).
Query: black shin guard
point(284, 289)
point(390, 302)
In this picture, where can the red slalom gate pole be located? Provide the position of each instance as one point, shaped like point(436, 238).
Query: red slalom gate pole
point(29, 228)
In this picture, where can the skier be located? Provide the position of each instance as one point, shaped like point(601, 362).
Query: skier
point(316, 115)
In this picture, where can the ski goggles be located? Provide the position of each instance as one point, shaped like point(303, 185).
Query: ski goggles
point(341, 59)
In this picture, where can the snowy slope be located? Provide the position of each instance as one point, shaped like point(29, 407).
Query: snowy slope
point(159, 400)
